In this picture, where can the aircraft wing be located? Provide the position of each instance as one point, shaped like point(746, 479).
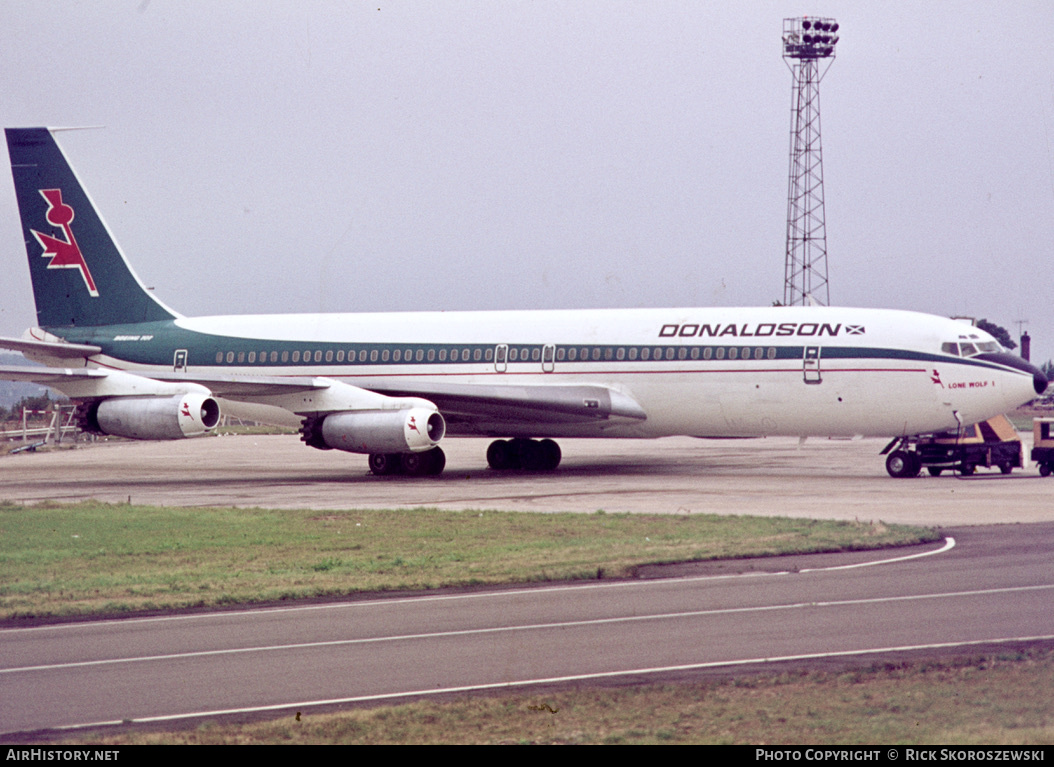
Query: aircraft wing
point(493, 404)
point(470, 404)
point(464, 403)
point(470, 408)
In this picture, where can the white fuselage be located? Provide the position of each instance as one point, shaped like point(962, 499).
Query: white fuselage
point(702, 372)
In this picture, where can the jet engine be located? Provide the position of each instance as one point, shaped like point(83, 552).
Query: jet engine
point(376, 431)
point(176, 417)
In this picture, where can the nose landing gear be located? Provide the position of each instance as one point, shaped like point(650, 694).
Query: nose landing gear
point(992, 444)
point(903, 464)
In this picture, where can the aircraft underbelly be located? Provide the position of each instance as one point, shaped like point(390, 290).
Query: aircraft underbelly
point(844, 403)
point(736, 404)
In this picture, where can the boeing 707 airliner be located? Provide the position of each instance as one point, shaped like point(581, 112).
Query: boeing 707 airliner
point(393, 385)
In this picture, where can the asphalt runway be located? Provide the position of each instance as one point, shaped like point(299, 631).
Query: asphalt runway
point(982, 587)
point(837, 479)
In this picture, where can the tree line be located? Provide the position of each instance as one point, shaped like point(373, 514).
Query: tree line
point(42, 404)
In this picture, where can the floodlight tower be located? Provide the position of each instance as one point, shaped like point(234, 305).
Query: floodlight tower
point(807, 42)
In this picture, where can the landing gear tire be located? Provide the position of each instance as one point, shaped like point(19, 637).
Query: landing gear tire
point(427, 463)
point(967, 469)
point(531, 457)
point(1005, 468)
point(383, 464)
point(551, 454)
point(437, 461)
point(1045, 469)
point(526, 454)
point(903, 464)
point(501, 456)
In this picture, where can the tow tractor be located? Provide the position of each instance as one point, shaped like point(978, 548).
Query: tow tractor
point(1043, 444)
point(991, 443)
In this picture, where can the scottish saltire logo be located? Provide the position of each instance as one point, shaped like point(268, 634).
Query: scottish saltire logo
point(64, 254)
point(854, 330)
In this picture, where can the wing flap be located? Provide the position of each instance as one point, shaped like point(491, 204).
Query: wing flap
point(218, 385)
point(93, 383)
point(533, 404)
point(235, 386)
point(50, 348)
point(48, 376)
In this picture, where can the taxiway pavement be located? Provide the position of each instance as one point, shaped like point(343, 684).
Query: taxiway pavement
point(838, 479)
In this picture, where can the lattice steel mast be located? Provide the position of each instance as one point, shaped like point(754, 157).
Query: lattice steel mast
point(806, 42)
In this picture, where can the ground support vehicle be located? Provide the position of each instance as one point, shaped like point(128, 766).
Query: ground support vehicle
point(993, 444)
point(1043, 445)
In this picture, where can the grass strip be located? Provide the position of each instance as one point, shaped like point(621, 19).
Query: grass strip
point(93, 558)
point(990, 700)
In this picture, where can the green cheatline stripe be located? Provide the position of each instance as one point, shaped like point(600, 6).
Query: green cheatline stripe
point(155, 343)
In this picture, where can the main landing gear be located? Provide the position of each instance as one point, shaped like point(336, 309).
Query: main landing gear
point(428, 463)
point(526, 454)
point(523, 454)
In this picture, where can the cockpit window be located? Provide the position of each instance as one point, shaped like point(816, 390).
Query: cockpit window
point(965, 349)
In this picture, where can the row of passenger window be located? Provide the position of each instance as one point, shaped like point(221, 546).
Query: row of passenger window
point(515, 354)
point(362, 355)
point(594, 353)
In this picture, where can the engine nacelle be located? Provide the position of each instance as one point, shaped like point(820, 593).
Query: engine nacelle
point(176, 417)
point(377, 431)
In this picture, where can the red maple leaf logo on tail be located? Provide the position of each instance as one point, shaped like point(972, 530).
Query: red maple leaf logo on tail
point(64, 254)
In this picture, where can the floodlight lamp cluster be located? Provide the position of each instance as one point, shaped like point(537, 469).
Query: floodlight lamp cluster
point(809, 38)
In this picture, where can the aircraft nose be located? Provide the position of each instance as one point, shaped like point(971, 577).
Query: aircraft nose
point(1039, 381)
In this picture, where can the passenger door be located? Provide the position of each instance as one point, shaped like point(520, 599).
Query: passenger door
point(811, 365)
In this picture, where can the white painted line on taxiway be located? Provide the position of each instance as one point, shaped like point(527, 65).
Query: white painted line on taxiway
point(525, 627)
point(949, 544)
point(549, 680)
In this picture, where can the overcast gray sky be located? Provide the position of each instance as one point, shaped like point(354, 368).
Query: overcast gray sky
point(344, 156)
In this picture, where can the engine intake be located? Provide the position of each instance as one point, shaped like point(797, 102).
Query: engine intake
point(376, 431)
point(177, 417)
